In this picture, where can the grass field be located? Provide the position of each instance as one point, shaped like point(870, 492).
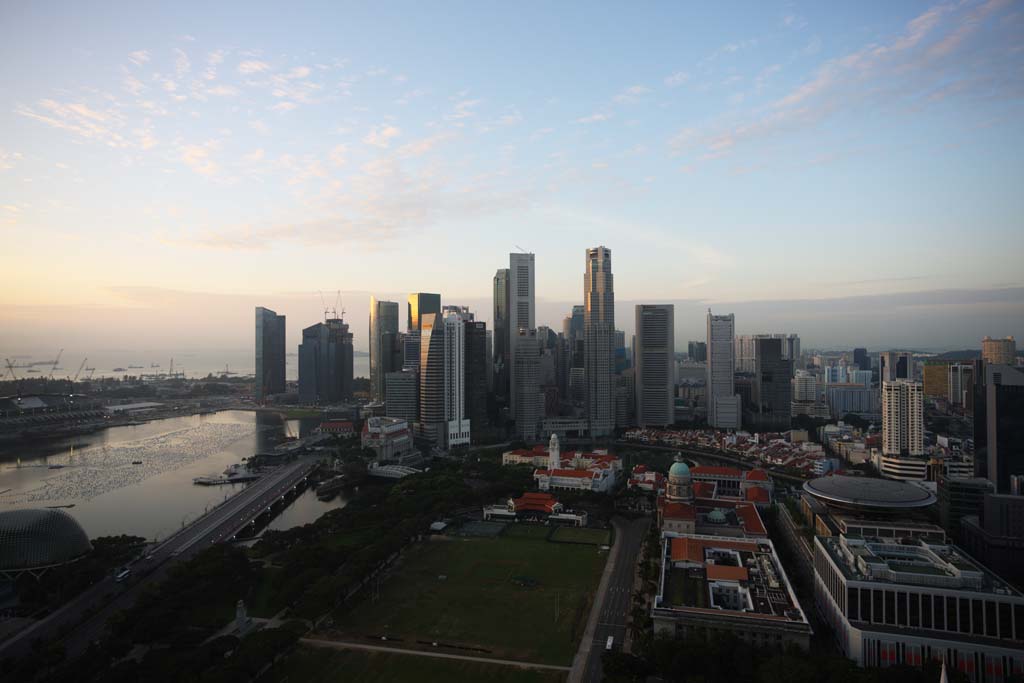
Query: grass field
point(318, 665)
point(526, 531)
point(570, 534)
point(513, 598)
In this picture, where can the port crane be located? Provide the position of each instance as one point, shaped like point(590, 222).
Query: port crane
point(55, 363)
point(14, 376)
point(84, 361)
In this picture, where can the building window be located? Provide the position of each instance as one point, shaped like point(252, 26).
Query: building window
point(865, 604)
point(1005, 622)
point(965, 615)
point(915, 609)
point(876, 607)
point(890, 607)
point(853, 604)
point(977, 617)
point(901, 608)
point(950, 614)
point(940, 612)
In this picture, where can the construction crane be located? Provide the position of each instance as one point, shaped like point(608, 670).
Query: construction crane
point(89, 376)
point(14, 376)
point(55, 363)
point(84, 360)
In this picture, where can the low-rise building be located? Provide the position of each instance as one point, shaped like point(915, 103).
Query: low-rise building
point(714, 584)
point(343, 428)
point(390, 438)
point(644, 479)
point(903, 601)
point(538, 507)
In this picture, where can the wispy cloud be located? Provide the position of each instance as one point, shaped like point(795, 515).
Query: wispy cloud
point(9, 159)
point(80, 119)
point(677, 79)
point(252, 66)
point(139, 57)
point(381, 136)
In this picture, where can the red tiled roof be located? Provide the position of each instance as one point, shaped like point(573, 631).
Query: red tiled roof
point(757, 475)
point(692, 549)
point(703, 489)
point(678, 511)
point(752, 523)
point(721, 572)
point(715, 471)
point(337, 424)
point(756, 494)
point(535, 502)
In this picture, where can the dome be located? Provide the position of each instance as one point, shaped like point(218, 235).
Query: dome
point(716, 516)
point(679, 469)
point(32, 539)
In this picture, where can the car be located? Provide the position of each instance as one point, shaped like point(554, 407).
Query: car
point(123, 574)
point(611, 642)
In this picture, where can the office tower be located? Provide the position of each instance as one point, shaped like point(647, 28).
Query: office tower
point(743, 351)
point(325, 362)
point(578, 386)
point(960, 383)
point(835, 374)
point(1004, 425)
point(456, 418)
point(805, 386)
point(894, 365)
point(402, 395)
point(958, 498)
point(999, 351)
point(502, 359)
point(936, 378)
point(697, 351)
point(902, 418)
point(421, 304)
point(723, 404)
point(654, 365)
point(270, 345)
point(572, 325)
point(625, 399)
point(599, 340)
point(477, 365)
point(772, 391)
point(489, 344)
point(411, 351)
point(521, 311)
point(995, 537)
point(790, 349)
point(433, 422)
point(383, 334)
point(861, 359)
point(462, 311)
point(526, 364)
point(789, 346)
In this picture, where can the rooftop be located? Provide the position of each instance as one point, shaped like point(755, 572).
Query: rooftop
point(34, 539)
point(866, 493)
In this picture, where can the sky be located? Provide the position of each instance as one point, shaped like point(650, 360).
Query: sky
point(850, 172)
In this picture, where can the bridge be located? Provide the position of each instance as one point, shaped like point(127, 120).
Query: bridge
point(107, 597)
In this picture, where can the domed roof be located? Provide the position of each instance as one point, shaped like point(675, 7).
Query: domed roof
point(716, 516)
point(679, 469)
point(32, 539)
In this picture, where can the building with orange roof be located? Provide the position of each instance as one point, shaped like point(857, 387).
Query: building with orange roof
point(535, 506)
point(713, 584)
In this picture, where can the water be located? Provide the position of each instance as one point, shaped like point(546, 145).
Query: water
point(111, 495)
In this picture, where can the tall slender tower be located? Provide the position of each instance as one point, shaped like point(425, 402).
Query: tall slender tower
point(554, 453)
point(420, 304)
point(654, 364)
point(383, 337)
point(270, 345)
point(599, 340)
point(502, 359)
point(902, 418)
point(723, 404)
point(521, 313)
point(433, 420)
point(458, 423)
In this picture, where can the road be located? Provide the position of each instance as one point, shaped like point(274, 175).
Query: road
point(616, 601)
point(347, 645)
point(108, 597)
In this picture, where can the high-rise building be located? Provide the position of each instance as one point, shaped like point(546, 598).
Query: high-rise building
point(894, 365)
point(502, 360)
point(861, 359)
point(599, 340)
point(383, 336)
point(529, 406)
point(477, 365)
point(999, 351)
point(960, 497)
point(936, 378)
point(805, 386)
point(402, 395)
point(456, 417)
point(902, 418)
point(421, 304)
point(522, 312)
point(1004, 425)
point(411, 351)
point(995, 536)
point(960, 384)
point(270, 353)
point(575, 327)
point(772, 392)
point(723, 403)
point(745, 354)
point(654, 365)
point(697, 351)
point(433, 423)
point(325, 362)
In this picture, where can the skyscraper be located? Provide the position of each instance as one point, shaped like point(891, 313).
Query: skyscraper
point(599, 340)
point(521, 311)
point(421, 304)
point(383, 337)
point(458, 423)
point(1000, 351)
point(1004, 426)
point(433, 421)
point(270, 352)
point(502, 359)
point(894, 365)
point(654, 364)
point(861, 360)
point(772, 391)
point(477, 365)
point(325, 362)
point(402, 395)
point(697, 351)
point(960, 384)
point(723, 404)
point(902, 418)
point(529, 406)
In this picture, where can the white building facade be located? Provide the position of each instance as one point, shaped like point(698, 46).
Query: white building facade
point(723, 404)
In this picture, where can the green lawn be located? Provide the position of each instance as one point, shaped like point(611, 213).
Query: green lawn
point(526, 531)
point(321, 665)
point(515, 598)
point(571, 534)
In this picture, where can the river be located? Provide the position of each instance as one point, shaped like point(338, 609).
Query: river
point(138, 479)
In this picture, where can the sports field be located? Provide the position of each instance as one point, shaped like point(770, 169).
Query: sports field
point(319, 665)
point(513, 597)
point(571, 534)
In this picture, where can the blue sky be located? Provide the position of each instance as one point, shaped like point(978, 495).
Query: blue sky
point(729, 154)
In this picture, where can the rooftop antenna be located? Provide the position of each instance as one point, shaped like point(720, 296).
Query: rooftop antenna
point(323, 303)
point(337, 304)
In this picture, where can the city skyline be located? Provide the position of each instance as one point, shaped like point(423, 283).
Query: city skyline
point(705, 159)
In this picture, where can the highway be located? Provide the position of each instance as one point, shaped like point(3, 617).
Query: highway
point(107, 597)
point(617, 600)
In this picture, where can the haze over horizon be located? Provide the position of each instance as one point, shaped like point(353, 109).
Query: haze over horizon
point(848, 174)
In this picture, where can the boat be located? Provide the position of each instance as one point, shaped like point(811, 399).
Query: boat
point(134, 367)
point(54, 507)
point(56, 467)
point(119, 370)
point(136, 462)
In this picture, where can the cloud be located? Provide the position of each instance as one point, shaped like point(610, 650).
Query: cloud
point(596, 117)
point(421, 147)
point(181, 63)
point(631, 94)
point(198, 158)
point(260, 127)
point(139, 57)
point(284, 106)
point(80, 119)
point(677, 79)
point(9, 159)
point(222, 90)
point(252, 66)
point(337, 155)
point(463, 109)
point(381, 136)
point(299, 72)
